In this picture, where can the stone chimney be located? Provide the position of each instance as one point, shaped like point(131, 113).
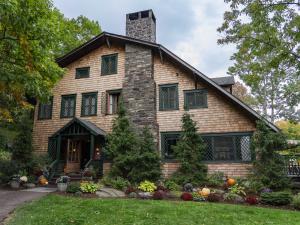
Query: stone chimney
point(141, 25)
point(139, 88)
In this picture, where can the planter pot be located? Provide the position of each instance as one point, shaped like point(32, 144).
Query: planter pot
point(62, 187)
point(15, 184)
point(30, 185)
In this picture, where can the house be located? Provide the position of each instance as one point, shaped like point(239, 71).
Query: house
point(156, 86)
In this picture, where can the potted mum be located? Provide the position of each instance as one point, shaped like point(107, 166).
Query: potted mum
point(62, 183)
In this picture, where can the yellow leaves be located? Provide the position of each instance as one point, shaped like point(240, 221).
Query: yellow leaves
point(5, 115)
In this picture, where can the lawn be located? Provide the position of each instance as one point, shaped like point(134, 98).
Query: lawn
point(55, 209)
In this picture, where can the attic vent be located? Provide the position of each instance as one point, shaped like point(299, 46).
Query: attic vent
point(133, 16)
point(145, 14)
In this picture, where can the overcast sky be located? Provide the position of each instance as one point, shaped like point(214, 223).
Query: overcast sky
point(186, 27)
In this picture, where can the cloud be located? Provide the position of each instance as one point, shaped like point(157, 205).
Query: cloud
point(186, 27)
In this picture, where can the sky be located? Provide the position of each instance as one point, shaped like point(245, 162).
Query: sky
point(186, 27)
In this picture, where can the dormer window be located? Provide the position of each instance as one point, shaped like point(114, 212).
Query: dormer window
point(83, 72)
point(109, 64)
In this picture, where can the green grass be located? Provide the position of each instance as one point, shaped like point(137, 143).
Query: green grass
point(55, 209)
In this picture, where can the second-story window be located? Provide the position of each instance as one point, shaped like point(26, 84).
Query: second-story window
point(89, 104)
point(68, 105)
point(113, 102)
point(45, 110)
point(109, 64)
point(195, 99)
point(168, 97)
point(83, 72)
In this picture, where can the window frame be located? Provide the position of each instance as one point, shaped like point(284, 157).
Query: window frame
point(77, 76)
point(83, 95)
point(62, 104)
point(102, 64)
point(109, 93)
point(51, 109)
point(201, 91)
point(161, 86)
point(233, 135)
point(163, 135)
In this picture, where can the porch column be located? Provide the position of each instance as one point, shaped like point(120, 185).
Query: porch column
point(92, 146)
point(58, 147)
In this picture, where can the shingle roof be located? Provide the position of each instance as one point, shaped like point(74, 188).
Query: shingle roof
point(224, 81)
point(108, 38)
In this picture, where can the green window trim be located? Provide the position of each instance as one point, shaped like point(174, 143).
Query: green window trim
point(236, 149)
point(90, 110)
point(45, 110)
point(69, 99)
point(82, 72)
point(198, 97)
point(167, 100)
point(109, 64)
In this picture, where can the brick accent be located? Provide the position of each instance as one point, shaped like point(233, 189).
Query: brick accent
point(138, 91)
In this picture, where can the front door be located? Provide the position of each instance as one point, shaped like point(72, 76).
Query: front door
point(73, 156)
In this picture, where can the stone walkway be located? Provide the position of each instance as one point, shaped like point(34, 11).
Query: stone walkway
point(10, 199)
point(110, 193)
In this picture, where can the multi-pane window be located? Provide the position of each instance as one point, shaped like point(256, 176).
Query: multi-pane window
point(109, 64)
point(68, 103)
point(168, 141)
point(228, 147)
point(194, 99)
point(168, 97)
point(83, 72)
point(45, 110)
point(89, 104)
point(113, 102)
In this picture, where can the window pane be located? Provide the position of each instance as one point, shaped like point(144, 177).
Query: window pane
point(82, 72)
point(167, 143)
point(224, 148)
point(109, 64)
point(168, 97)
point(45, 110)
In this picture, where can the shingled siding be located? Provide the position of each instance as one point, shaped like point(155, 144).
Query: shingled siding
point(69, 85)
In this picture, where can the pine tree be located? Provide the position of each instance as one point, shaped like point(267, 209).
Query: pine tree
point(122, 147)
point(147, 165)
point(189, 151)
point(268, 168)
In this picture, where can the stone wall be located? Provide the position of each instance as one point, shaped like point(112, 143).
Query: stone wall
point(139, 89)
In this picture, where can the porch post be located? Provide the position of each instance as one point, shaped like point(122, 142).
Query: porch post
point(92, 146)
point(58, 147)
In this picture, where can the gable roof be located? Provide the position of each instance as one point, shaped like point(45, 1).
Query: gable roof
point(224, 81)
point(108, 38)
point(91, 127)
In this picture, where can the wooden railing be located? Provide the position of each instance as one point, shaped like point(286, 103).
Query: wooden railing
point(293, 168)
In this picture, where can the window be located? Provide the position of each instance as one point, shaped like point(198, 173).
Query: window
point(168, 97)
point(68, 103)
point(109, 64)
point(83, 72)
point(45, 110)
point(113, 101)
point(89, 104)
point(194, 99)
point(168, 141)
point(228, 147)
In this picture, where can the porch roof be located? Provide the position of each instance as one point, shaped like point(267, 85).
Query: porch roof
point(91, 127)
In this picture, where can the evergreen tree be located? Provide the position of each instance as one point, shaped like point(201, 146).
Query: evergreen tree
point(147, 166)
point(189, 151)
point(268, 167)
point(122, 146)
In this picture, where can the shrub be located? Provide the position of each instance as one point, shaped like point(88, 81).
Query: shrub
point(276, 198)
point(129, 190)
point(232, 197)
point(159, 195)
point(186, 196)
point(117, 183)
point(251, 200)
point(189, 151)
point(198, 197)
point(252, 186)
point(88, 187)
point(216, 179)
point(7, 170)
point(214, 197)
point(172, 186)
point(237, 189)
point(147, 186)
point(73, 188)
point(296, 201)
point(161, 188)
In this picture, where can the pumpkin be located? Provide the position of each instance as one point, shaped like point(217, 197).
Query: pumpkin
point(230, 182)
point(204, 192)
point(43, 180)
